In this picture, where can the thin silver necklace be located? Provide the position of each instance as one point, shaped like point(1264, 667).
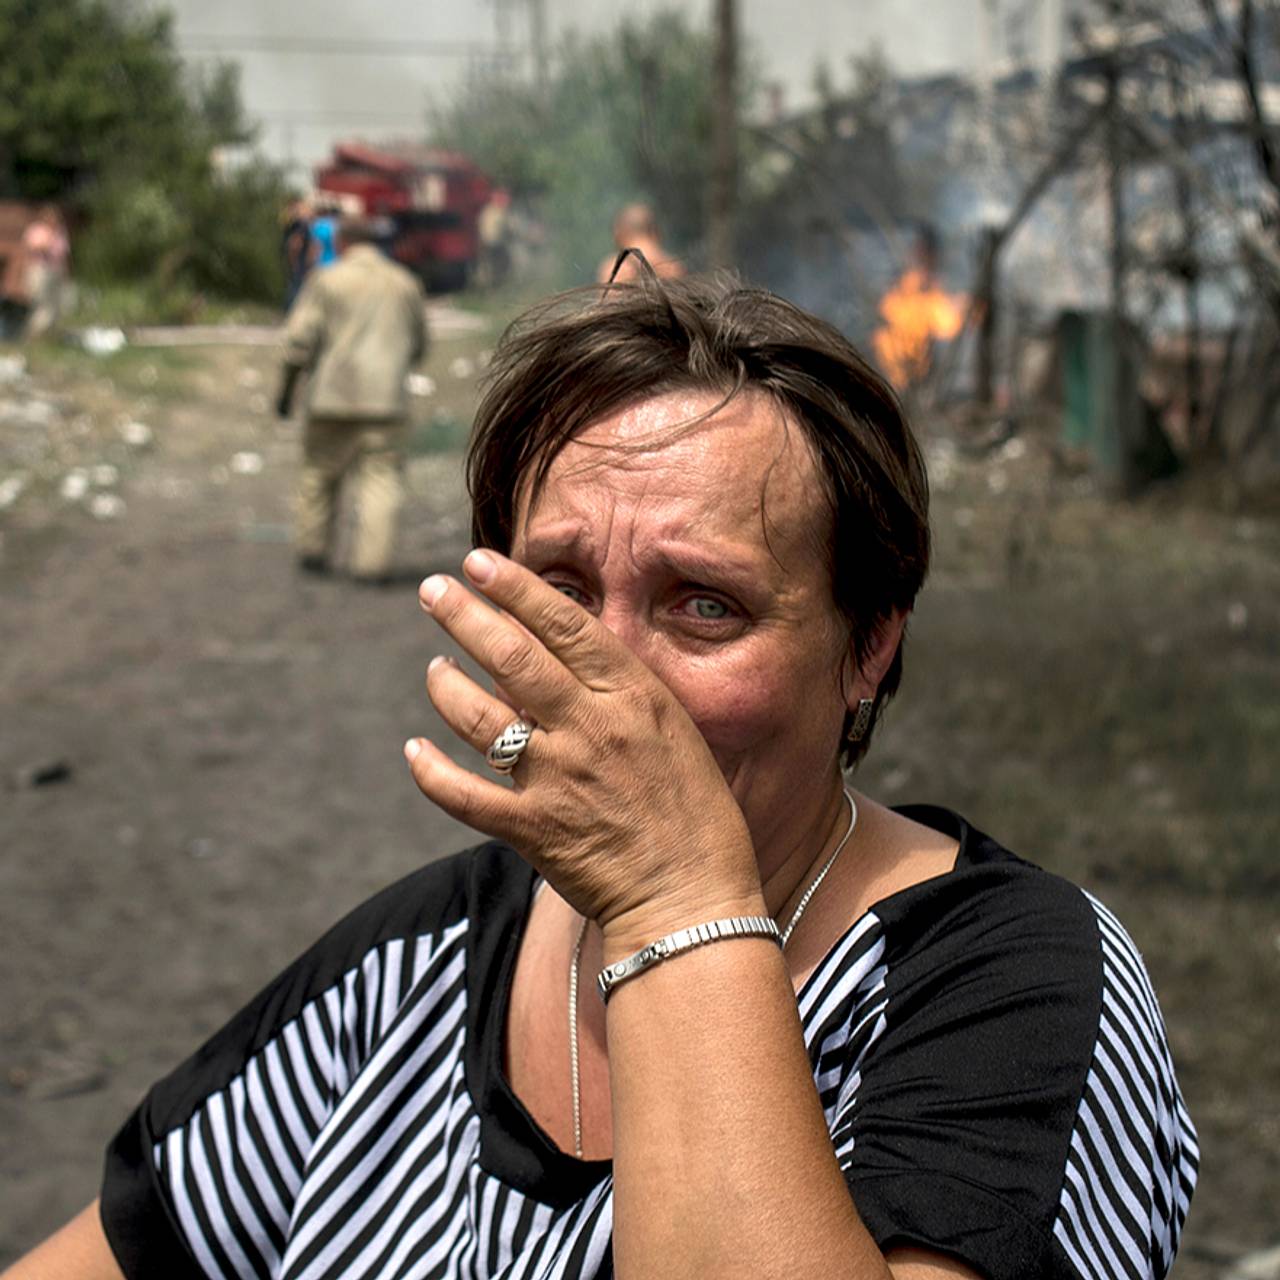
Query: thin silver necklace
point(575, 968)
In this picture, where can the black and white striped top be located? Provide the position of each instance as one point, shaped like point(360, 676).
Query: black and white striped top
point(987, 1048)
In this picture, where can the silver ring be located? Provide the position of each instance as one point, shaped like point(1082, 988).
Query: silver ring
point(506, 749)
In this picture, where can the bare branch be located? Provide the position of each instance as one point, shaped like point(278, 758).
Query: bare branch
point(1057, 163)
point(1268, 160)
point(1258, 247)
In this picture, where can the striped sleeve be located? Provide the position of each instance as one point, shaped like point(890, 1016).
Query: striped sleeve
point(1133, 1158)
point(1017, 1107)
point(204, 1177)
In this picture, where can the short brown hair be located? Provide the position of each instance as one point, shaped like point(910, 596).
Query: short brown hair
point(583, 355)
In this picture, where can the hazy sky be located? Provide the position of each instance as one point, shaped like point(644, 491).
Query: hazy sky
point(307, 98)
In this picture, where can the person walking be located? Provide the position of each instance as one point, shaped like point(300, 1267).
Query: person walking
point(295, 248)
point(323, 250)
point(45, 255)
point(636, 227)
point(357, 328)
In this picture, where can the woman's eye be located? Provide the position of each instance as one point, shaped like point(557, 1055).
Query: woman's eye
point(709, 607)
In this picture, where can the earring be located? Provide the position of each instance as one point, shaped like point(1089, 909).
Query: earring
point(861, 720)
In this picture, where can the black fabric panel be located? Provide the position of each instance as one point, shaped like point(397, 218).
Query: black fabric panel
point(962, 1221)
point(968, 1099)
point(147, 1243)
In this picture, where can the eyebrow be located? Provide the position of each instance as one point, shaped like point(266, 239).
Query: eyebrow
point(681, 559)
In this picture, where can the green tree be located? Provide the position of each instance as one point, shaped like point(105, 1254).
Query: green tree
point(623, 117)
point(98, 112)
point(81, 87)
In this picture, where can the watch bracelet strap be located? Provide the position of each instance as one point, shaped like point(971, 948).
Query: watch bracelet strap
point(672, 944)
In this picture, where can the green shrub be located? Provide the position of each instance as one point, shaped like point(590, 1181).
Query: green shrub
point(98, 112)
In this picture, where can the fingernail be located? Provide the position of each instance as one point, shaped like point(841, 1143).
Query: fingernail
point(411, 749)
point(480, 566)
point(440, 661)
point(432, 589)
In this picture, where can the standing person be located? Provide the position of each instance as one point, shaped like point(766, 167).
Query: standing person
point(494, 228)
point(46, 253)
point(14, 303)
point(357, 328)
point(295, 248)
point(636, 227)
point(323, 248)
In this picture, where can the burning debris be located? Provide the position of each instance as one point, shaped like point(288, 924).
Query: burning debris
point(916, 313)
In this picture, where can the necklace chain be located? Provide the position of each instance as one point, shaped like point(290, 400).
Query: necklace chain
point(575, 968)
point(822, 875)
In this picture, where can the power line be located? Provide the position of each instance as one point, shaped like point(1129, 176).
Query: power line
point(342, 47)
point(303, 115)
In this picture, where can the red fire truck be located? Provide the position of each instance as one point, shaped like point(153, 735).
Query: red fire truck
point(430, 198)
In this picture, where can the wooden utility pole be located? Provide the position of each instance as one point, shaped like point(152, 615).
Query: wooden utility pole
point(1188, 268)
point(1115, 196)
point(723, 195)
point(1122, 401)
point(985, 297)
point(538, 39)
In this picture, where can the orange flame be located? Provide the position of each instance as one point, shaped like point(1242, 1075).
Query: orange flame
point(915, 312)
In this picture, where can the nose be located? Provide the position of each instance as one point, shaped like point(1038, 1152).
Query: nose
point(628, 623)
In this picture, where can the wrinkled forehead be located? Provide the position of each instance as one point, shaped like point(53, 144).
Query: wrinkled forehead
point(705, 459)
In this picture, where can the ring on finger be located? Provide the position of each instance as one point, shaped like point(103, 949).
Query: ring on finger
point(506, 749)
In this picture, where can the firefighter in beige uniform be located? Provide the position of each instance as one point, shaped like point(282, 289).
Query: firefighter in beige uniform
point(357, 327)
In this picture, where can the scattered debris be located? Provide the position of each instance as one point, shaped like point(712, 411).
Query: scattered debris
point(104, 475)
point(44, 773)
point(248, 377)
point(12, 368)
point(246, 463)
point(75, 484)
point(11, 488)
point(101, 341)
point(106, 506)
point(419, 384)
point(148, 375)
point(135, 433)
point(1237, 615)
point(460, 367)
point(28, 412)
point(940, 461)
